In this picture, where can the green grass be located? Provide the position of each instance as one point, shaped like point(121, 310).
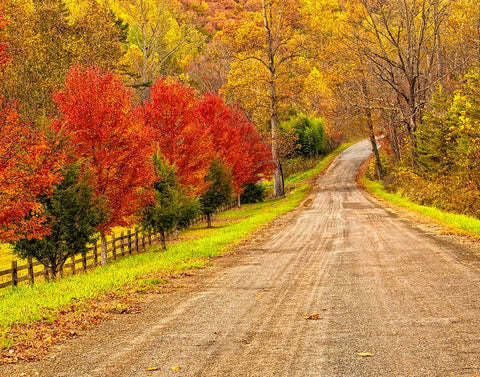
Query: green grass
point(454, 222)
point(25, 304)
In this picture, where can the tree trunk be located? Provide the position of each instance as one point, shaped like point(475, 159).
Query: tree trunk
point(163, 239)
point(209, 220)
point(371, 129)
point(278, 186)
point(239, 200)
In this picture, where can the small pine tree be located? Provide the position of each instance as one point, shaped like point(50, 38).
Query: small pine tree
point(219, 191)
point(172, 208)
point(72, 215)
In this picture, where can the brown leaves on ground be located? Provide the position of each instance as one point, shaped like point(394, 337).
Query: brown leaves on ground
point(31, 342)
point(312, 317)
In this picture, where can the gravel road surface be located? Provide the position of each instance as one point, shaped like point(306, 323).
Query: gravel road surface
point(392, 300)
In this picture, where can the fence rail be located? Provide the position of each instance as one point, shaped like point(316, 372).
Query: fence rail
point(117, 246)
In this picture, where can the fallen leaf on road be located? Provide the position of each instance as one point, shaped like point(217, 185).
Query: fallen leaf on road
point(313, 317)
point(49, 340)
point(176, 367)
point(151, 369)
point(364, 354)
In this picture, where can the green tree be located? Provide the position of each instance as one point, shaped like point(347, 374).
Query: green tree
point(310, 133)
point(219, 191)
point(172, 209)
point(72, 216)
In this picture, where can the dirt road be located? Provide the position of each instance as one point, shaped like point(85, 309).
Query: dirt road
point(379, 285)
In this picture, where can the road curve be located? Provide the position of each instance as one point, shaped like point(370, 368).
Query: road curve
point(408, 300)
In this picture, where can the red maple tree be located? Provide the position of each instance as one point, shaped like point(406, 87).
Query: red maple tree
point(236, 141)
point(172, 114)
point(104, 133)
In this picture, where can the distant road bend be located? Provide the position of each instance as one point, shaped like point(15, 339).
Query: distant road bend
point(391, 299)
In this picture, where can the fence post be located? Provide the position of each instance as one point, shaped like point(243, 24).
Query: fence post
point(95, 254)
point(114, 249)
point(14, 273)
point(84, 262)
point(104, 250)
point(122, 243)
point(129, 234)
point(31, 276)
point(72, 258)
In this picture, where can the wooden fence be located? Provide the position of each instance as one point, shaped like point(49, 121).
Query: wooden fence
point(117, 247)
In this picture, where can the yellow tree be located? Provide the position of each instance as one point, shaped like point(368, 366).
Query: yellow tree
point(265, 49)
point(159, 39)
point(44, 40)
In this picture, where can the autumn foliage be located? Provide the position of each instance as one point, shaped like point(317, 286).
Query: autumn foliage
point(236, 142)
point(173, 117)
point(29, 167)
point(104, 133)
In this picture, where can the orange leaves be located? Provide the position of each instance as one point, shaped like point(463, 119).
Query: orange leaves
point(29, 165)
point(105, 133)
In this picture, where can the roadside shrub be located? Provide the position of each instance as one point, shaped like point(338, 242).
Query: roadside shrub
point(253, 193)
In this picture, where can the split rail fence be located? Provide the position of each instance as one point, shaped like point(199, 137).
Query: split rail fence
point(117, 247)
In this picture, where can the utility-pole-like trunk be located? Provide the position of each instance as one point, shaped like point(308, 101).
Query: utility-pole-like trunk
point(103, 250)
point(278, 184)
point(371, 129)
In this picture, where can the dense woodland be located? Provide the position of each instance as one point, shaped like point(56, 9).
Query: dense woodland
point(116, 112)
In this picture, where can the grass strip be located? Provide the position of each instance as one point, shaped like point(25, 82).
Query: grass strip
point(455, 222)
point(25, 304)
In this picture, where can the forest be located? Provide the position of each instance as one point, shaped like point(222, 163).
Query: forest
point(115, 112)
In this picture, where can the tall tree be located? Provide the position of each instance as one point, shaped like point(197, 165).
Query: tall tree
point(266, 46)
point(173, 116)
point(97, 117)
point(398, 39)
point(159, 39)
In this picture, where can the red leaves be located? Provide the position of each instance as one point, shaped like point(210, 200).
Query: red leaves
point(29, 165)
point(236, 141)
point(99, 120)
point(172, 113)
point(191, 131)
